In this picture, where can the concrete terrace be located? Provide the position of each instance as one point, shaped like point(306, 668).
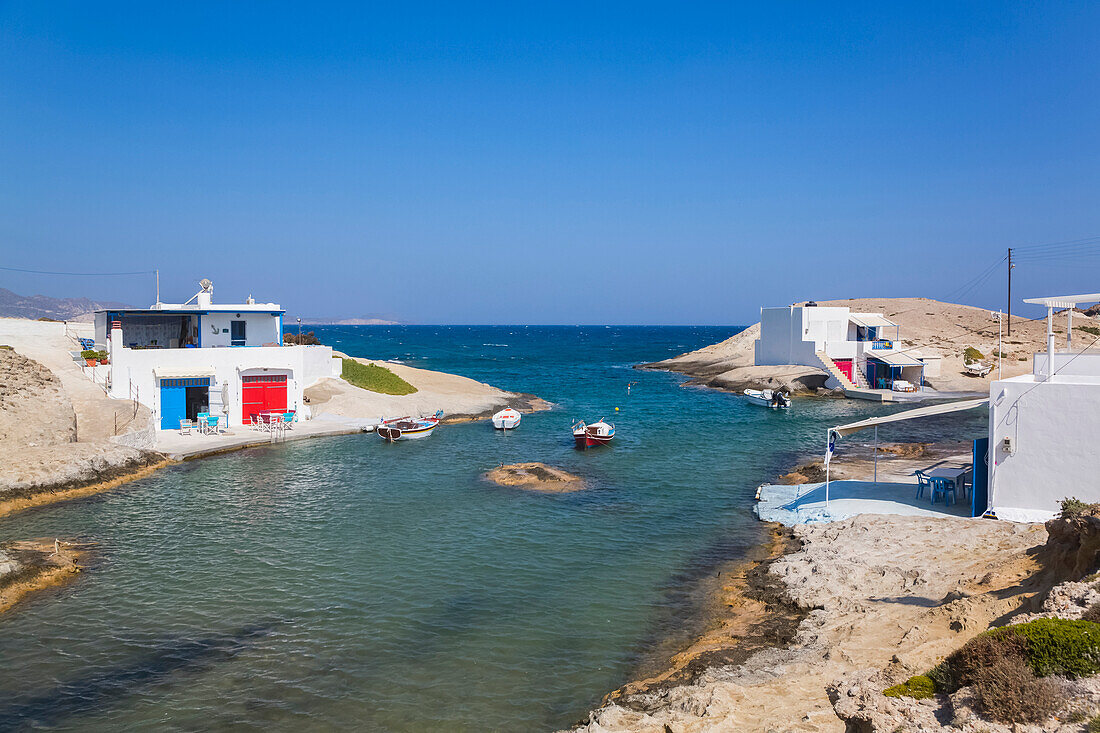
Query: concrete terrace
point(805, 503)
point(182, 447)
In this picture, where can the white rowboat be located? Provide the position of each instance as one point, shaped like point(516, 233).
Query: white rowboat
point(768, 398)
point(507, 419)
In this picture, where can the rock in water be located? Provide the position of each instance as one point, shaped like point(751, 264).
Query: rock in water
point(536, 477)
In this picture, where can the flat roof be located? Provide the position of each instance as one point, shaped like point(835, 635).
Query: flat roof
point(190, 311)
point(1064, 301)
point(894, 358)
point(872, 320)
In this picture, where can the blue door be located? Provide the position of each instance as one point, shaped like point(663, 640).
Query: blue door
point(236, 333)
point(979, 494)
point(173, 404)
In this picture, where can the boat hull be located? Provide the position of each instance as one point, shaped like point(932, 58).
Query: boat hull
point(392, 433)
point(758, 399)
point(506, 423)
point(588, 441)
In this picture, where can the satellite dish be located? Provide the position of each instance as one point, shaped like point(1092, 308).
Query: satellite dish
point(205, 284)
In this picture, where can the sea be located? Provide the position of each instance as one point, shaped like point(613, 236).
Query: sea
point(348, 583)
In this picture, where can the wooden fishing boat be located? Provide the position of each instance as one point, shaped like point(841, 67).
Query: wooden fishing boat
point(598, 433)
point(408, 428)
point(507, 419)
point(775, 399)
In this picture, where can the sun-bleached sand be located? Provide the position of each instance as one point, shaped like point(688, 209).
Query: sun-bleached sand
point(460, 398)
point(55, 423)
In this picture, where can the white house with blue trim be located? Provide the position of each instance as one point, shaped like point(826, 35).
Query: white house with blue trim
point(180, 360)
point(857, 350)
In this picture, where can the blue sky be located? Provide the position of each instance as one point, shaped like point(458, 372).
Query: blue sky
point(574, 163)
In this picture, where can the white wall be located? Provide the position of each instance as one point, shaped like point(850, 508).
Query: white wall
point(1053, 427)
point(260, 329)
point(304, 365)
point(795, 335)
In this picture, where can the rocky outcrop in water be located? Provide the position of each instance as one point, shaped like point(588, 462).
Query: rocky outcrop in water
point(536, 477)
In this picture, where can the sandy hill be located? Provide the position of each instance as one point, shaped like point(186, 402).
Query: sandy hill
point(946, 328)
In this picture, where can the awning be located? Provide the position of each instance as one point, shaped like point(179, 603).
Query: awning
point(895, 358)
point(871, 320)
point(182, 372)
point(929, 411)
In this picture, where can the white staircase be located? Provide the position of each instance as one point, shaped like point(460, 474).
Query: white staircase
point(834, 370)
point(860, 372)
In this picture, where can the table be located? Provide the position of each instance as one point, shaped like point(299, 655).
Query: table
point(957, 474)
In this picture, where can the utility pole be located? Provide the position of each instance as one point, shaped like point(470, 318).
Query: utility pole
point(1010, 266)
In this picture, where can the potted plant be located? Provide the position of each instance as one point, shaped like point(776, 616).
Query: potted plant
point(102, 356)
point(89, 356)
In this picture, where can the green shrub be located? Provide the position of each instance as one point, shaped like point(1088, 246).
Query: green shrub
point(918, 687)
point(1092, 613)
point(1091, 330)
point(1062, 647)
point(89, 354)
point(375, 378)
point(1072, 507)
point(1094, 725)
point(972, 355)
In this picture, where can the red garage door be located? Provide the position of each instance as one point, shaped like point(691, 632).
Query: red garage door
point(266, 392)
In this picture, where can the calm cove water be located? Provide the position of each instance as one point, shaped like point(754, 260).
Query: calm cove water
point(344, 582)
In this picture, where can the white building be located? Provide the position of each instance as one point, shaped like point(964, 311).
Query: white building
point(857, 349)
point(180, 360)
point(1043, 427)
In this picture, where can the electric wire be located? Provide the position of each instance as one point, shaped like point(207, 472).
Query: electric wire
point(78, 274)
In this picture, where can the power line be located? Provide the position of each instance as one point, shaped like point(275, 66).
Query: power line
point(975, 281)
point(1065, 243)
point(78, 274)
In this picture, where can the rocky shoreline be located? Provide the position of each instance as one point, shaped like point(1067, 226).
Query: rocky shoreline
point(873, 591)
point(31, 565)
point(813, 628)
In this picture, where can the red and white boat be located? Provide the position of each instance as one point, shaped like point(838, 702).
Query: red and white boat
point(507, 419)
point(598, 433)
point(408, 428)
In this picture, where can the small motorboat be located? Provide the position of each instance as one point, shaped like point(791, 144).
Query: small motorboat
point(408, 428)
point(598, 433)
point(507, 419)
point(768, 398)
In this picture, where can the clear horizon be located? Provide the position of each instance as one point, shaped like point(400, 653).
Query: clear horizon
point(631, 164)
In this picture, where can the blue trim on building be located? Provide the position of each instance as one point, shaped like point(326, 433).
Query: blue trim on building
point(198, 316)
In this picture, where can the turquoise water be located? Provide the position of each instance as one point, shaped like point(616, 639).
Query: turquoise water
point(346, 582)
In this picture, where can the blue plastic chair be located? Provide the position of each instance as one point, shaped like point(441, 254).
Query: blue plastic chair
point(922, 484)
point(946, 487)
point(288, 419)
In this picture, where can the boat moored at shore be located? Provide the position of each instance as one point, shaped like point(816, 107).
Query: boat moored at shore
point(598, 433)
point(776, 399)
point(408, 428)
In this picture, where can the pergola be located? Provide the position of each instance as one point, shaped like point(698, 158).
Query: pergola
point(839, 431)
point(1069, 302)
